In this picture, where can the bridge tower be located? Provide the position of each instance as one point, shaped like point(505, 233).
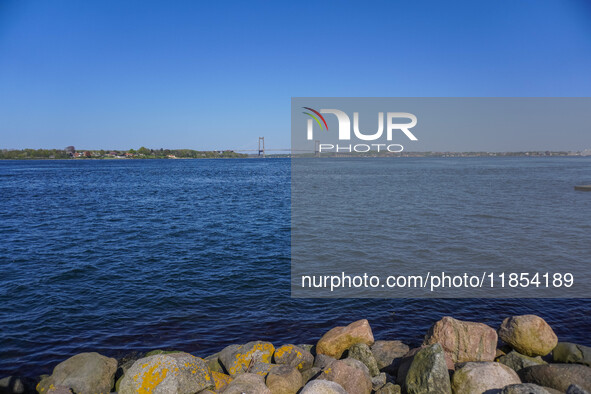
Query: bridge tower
point(261, 146)
point(317, 148)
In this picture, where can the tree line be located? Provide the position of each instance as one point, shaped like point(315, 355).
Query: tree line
point(141, 153)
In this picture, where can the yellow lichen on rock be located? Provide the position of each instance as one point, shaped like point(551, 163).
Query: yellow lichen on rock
point(221, 380)
point(294, 356)
point(152, 378)
point(238, 359)
point(243, 359)
point(178, 372)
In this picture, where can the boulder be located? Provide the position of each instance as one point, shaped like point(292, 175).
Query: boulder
point(309, 374)
point(160, 351)
point(463, 341)
point(339, 339)
point(220, 380)
point(83, 373)
point(428, 372)
point(406, 361)
point(260, 368)
point(308, 347)
point(236, 359)
point(362, 352)
point(247, 383)
point(378, 381)
point(357, 364)
point(526, 388)
point(322, 361)
point(180, 373)
point(213, 362)
point(528, 334)
point(517, 361)
point(480, 377)
point(17, 385)
point(323, 387)
point(574, 389)
point(388, 355)
point(284, 379)
point(389, 388)
point(294, 356)
point(59, 390)
point(566, 352)
point(558, 376)
point(351, 374)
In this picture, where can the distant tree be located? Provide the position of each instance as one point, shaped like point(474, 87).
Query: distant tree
point(143, 151)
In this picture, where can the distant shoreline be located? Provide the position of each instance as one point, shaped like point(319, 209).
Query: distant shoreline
point(233, 155)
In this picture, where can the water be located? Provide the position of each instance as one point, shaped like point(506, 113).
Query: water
point(115, 256)
point(409, 217)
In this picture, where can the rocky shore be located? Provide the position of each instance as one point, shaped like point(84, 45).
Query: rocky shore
point(522, 356)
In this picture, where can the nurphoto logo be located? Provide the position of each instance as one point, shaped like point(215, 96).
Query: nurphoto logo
point(344, 130)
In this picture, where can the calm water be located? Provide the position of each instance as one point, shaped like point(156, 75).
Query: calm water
point(114, 256)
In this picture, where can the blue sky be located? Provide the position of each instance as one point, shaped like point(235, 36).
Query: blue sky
point(212, 75)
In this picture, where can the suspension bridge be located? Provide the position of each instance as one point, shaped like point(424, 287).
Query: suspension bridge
point(261, 150)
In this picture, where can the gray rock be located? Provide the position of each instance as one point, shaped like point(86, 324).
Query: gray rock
point(566, 352)
point(310, 374)
point(284, 379)
point(323, 387)
point(161, 351)
point(322, 361)
point(378, 381)
point(574, 389)
point(84, 373)
point(428, 372)
point(308, 347)
point(220, 380)
point(237, 358)
point(294, 356)
point(351, 374)
point(357, 364)
point(388, 355)
point(517, 361)
point(59, 390)
point(362, 352)
point(17, 385)
point(524, 388)
point(180, 373)
point(482, 377)
point(389, 388)
point(553, 391)
point(213, 362)
point(558, 376)
point(247, 383)
point(406, 361)
point(260, 368)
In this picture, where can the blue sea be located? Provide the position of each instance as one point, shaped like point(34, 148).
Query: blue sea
point(116, 256)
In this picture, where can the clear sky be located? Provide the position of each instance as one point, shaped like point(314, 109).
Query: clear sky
point(219, 74)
